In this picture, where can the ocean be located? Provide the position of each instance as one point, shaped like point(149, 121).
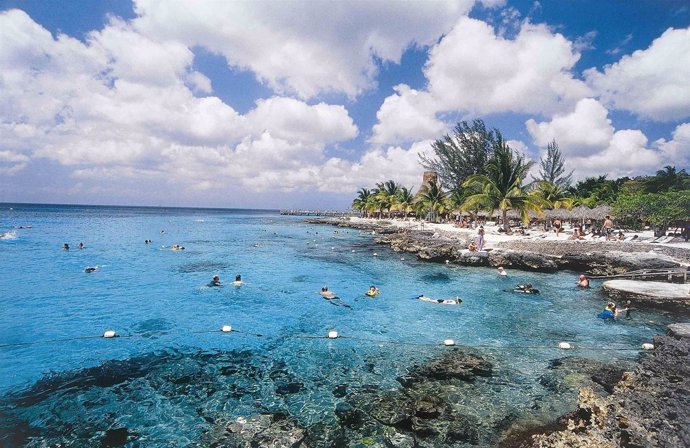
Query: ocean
point(172, 378)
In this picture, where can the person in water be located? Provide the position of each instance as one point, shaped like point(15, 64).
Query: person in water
point(326, 294)
point(81, 245)
point(611, 312)
point(456, 301)
point(373, 291)
point(215, 281)
point(65, 246)
point(583, 282)
point(238, 280)
point(502, 271)
point(527, 289)
point(90, 269)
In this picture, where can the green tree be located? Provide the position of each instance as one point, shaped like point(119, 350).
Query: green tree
point(594, 191)
point(405, 200)
point(658, 209)
point(431, 200)
point(362, 200)
point(462, 154)
point(552, 167)
point(387, 195)
point(501, 188)
point(553, 196)
point(667, 179)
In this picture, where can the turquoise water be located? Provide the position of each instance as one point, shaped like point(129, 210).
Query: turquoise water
point(173, 375)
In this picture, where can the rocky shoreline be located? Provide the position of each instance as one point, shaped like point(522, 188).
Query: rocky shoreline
point(592, 258)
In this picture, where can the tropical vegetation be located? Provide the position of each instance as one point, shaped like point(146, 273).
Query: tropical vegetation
point(479, 172)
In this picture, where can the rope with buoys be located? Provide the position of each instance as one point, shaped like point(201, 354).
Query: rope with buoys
point(333, 334)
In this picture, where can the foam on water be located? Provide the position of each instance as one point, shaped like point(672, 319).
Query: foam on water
point(178, 376)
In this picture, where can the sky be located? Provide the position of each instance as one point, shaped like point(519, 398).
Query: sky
point(298, 104)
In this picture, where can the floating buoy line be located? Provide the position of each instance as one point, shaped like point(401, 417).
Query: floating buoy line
point(333, 334)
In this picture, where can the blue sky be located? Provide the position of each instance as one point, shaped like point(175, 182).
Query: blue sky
point(300, 103)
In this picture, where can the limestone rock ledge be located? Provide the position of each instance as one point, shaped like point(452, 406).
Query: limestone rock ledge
point(650, 407)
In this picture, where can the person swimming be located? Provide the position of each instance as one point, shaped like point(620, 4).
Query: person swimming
point(81, 245)
point(526, 289)
point(238, 280)
point(65, 246)
point(373, 291)
point(215, 281)
point(611, 312)
point(502, 271)
point(177, 247)
point(326, 294)
point(90, 269)
point(455, 301)
point(583, 281)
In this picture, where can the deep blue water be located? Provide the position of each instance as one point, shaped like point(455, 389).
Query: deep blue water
point(174, 374)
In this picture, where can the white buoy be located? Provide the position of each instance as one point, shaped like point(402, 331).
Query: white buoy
point(332, 248)
point(226, 329)
point(448, 342)
point(109, 334)
point(447, 261)
point(375, 254)
point(353, 250)
point(402, 258)
point(647, 346)
point(333, 334)
point(564, 345)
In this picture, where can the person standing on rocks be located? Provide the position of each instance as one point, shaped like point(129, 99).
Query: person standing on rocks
point(480, 239)
point(607, 227)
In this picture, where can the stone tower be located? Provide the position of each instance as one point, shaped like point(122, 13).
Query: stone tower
point(430, 177)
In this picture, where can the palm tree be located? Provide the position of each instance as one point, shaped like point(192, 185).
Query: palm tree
point(361, 201)
point(501, 188)
point(387, 194)
point(432, 200)
point(552, 196)
point(668, 179)
point(404, 200)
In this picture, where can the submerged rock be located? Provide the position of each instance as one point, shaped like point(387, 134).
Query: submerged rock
point(264, 430)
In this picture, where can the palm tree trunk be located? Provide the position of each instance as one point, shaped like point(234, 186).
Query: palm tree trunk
point(506, 227)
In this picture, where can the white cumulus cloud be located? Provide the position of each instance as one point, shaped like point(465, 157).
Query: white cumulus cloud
point(653, 83)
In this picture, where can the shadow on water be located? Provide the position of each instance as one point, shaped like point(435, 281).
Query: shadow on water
point(435, 277)
point(202, 266)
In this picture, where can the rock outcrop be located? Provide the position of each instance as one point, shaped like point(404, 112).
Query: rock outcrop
point(655, 294)
point(649, 407)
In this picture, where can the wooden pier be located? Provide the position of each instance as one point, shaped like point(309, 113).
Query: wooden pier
point(328, 213)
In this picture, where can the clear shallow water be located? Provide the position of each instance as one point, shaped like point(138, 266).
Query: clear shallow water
point(177, 376)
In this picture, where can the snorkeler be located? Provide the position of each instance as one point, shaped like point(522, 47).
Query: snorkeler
point(90, 269)
point(215, 281)
point(326, 294)
point(65, 246)
point(81, 245)
point(526, 289)
point(373, 291)
point(238, 280)
point(455, 301)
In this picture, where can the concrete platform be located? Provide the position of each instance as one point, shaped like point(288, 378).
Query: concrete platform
point(679, 330)
point(652, 294)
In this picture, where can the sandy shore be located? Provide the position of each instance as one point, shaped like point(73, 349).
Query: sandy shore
point(547, 242)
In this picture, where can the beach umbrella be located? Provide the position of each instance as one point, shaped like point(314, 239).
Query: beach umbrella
point(600, 212)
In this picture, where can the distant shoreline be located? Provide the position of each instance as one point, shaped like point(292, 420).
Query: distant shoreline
point(4, 205)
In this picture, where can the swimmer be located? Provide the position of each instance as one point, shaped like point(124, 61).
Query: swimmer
point(583, 282)
point(373, 291)
point(455, 301)
point(611, 312)
point(65, 246)
point(502, 271)
point(326, 294)
point(238, 280)
point(90, 269)
point(215, 281)
point(177, 247)
point(162, 231)
point(526, 289)
point(81, 245)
